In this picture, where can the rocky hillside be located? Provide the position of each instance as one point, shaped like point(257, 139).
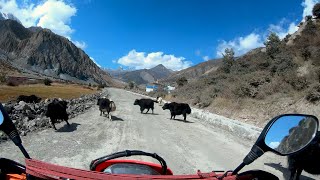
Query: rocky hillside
point(282, 77)
point(195, 72)
point(6, 68)
point(143, 76)
point(42, 51)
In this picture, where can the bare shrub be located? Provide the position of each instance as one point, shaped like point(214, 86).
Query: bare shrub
point(310, 29)
point(297, 82)
point(207, 96)
point(305, 53)
point(283, 63)
point(313, 94)
point(47, 82)
point(3, 78)
point(182, 81)
point(244, 89)
point(11, 83)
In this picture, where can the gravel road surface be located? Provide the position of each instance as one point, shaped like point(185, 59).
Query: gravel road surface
point(186, 146)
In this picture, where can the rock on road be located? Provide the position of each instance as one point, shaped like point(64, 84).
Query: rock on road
point(186, 146)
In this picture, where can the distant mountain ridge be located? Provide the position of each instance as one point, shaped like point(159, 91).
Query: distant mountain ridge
point(40, 50)
point(194, 72)
point(142, 76)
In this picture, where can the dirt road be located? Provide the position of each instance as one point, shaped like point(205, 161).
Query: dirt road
point(186, 147)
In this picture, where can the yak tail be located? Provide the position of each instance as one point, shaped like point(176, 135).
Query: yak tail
point(113, 106)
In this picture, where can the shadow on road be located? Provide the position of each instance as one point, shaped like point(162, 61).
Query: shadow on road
point(66, 128)
point(155, 114)
point(285, 171)
point(115, 118)
point(149, 113)
point(181, 120)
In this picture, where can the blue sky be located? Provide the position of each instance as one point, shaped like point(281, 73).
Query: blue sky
point(280, 129)
point(177, 33)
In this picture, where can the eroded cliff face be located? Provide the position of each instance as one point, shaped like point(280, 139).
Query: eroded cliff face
point(45, 52)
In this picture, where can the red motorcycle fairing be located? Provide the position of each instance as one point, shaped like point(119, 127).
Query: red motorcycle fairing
point(156, 167)
point(45, 170)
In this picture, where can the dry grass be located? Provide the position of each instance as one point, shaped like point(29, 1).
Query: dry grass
point(259, 112)
point(65, 91)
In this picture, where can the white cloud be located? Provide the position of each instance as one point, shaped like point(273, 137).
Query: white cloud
point(282, 28)
point(140, 60)
point(292, 28)
point(95, 62)
point(52, 14)
point(274, 145)
point(240, 45)
point(205, 58)
point(308, 6)
point(80, 44)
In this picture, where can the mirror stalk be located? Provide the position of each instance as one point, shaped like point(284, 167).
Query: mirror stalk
point(24, 152)
point(254, 154)
point(14, 136)
point(10, 129)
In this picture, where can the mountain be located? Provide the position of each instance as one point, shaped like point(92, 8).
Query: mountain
point(5, 16)
point(38, 50)
point(6, 68)
point(35, 29)
point(142, 76)
point(194, 72)
point(116, 73)
point(160, 71)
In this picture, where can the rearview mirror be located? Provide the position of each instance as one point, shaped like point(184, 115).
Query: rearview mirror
point(1, 117)
point(291, 133)
point(285, 134)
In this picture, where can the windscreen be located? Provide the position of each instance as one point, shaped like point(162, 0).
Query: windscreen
point(127, 168)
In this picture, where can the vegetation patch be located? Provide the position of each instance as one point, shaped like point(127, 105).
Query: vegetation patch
point(65, 91)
